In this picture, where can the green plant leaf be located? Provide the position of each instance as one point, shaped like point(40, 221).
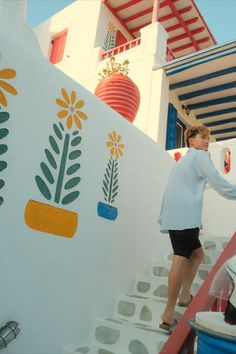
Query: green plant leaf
point(61, 126)
point(72, 169)
point(3, 133)
point(2, 183)
point(72, 182)
point(3, 149)
point(104, 191)
point(69, 198)
point(54, 145)
point(76, 141)
point(114, 195)
point(50, 158)
point(115, 182)
point(47, 172)
point(57, 131)
point(3, 165)
point(105, 185)
point(114, 189)
point(1, 200)
point(4, 116)
point(43, 187)
point(106, 178)
point(74, 154)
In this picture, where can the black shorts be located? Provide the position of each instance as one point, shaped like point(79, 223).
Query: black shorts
point(184, 242)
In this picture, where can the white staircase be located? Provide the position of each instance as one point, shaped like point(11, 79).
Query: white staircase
point(134, 327)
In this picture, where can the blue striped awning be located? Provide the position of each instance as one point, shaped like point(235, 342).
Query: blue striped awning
point(205, 82)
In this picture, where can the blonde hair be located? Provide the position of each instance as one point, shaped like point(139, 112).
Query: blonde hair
point(191, 132)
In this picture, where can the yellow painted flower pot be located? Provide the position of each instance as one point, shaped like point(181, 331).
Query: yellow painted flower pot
point(50, 219)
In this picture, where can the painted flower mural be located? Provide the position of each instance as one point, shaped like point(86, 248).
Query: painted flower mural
point(59, 180)
point(5, 88)
point(110, 182)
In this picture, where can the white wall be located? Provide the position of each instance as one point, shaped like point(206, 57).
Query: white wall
point(54, 286)
point(81, 18)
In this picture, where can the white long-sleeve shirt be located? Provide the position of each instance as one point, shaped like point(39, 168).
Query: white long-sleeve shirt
point(182, 201)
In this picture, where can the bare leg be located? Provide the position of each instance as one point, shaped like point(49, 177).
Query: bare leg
point(189, 274)
point(175, 279)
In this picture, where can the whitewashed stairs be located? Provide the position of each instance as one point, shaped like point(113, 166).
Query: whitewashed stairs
point(134, 327)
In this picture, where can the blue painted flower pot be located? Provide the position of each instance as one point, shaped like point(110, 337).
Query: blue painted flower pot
point(107, 211)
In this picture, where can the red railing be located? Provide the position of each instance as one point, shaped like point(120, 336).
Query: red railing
point(181, 340)
point(132, 44)
point(121, 48)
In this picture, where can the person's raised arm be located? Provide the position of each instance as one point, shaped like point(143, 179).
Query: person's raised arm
point(208, 171)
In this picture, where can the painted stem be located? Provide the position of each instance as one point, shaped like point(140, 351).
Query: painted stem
point(111, 180)
point(62, 169)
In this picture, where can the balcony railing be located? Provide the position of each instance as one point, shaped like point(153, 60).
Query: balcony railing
point(132, 44)
point(121, 48)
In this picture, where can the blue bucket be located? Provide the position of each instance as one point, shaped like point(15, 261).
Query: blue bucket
point(210, 342)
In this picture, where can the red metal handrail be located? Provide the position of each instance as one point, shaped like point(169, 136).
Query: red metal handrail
point(181, 340)
point(121, 48)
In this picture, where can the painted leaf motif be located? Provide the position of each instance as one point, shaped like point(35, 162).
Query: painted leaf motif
point(115, 182)
point(75, 132)
point(74, 154)
point(108, 173)
point(47, 172)
point(106, 178)
point(4, 116)
point(105, 185)
point(3, 165)
point(72, 182)
point(3, 149)
point(43, 187)
point(69, 198)
point(115, 189)
point(50, 158)
point(3, 133)
point(76, 141)
point(57, 131)
point(115, 176)
point(61, 126)
point(53, 144)
point(72, 169)
point(2, 183)
point(1, 200)
point(104, 191)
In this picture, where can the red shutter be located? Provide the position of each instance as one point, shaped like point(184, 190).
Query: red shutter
point(120, 38)
point(58, 46)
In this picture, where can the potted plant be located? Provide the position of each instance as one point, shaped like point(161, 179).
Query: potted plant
point(117, 90)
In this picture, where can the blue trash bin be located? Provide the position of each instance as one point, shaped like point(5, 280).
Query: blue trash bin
point(210, 342)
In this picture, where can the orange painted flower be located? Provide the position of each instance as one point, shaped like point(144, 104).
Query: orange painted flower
point(113, 144)
point(6, 74)
point(71, 109)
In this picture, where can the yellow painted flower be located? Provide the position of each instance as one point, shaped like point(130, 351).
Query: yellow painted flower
point(6, 74)
point(71, 109)
point(113, 144)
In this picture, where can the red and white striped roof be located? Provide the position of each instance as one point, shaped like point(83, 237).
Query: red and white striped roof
point(186, 27)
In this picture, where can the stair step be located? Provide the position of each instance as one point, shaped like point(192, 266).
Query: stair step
point(156, 288)
point(142, 309)
point(114, 336)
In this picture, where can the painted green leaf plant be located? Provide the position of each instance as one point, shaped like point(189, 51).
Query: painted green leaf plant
point(110, 185)
point(5, 74)
point(59, 178)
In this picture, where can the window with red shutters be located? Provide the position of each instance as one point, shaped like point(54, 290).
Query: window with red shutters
point(58, 46)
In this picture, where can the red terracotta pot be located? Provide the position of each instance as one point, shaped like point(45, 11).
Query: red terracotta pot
point(120, 93)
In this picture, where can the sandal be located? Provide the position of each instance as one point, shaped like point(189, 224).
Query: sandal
point(185, 304)
point(168, 327)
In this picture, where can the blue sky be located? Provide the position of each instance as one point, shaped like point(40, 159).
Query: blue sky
point(218, 14)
